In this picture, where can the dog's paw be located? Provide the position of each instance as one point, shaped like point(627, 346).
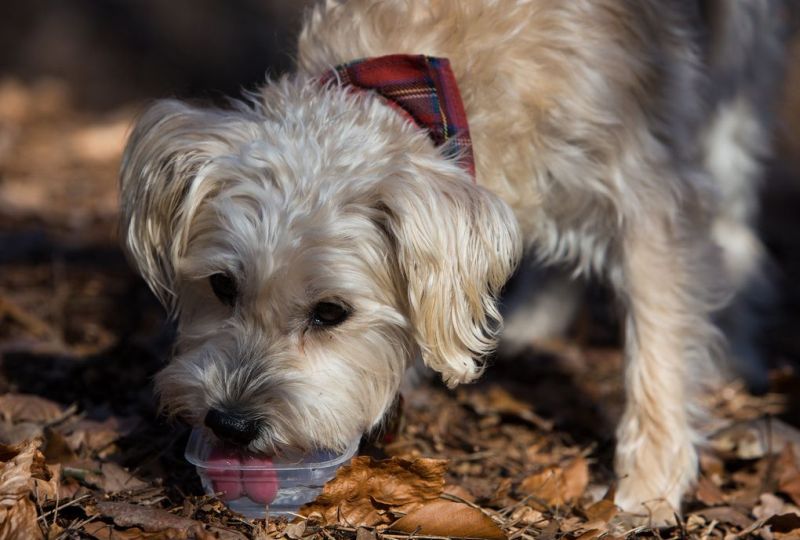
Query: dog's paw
point(641, 509)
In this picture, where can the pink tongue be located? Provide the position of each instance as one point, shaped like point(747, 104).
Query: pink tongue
point(260, 485)
point(225, 482)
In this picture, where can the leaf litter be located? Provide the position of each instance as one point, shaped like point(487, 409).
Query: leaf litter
point(527, 453)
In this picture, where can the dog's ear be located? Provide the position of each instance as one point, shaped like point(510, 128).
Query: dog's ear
point(456, 245)
point(163, 181)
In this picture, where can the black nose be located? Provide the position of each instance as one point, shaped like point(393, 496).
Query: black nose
point(232, 428)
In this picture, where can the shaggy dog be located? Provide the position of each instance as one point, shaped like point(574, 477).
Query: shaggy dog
point(312, 240)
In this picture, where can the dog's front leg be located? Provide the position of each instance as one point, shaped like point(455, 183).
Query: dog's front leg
point(668, 329)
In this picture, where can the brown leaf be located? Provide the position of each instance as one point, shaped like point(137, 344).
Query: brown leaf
point(603, 510)
point(788, 474)
point(756, 438)
point(104, 531)
point(558, 485)
point(727, 515)
point(366, 534)
point(784, 523)
point(17, 510)
point(498, 401)
point(708, 493)
point(94, 435)
point(772, 505)
point(25, 407)
point(112, 478)
point(449, 518)
point(148, 518)
point(20, 432)
point(460, 492)
point(529, 516)
point(56, 449)
point(363, 493)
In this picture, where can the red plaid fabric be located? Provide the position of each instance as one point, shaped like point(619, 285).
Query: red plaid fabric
point(423, 89)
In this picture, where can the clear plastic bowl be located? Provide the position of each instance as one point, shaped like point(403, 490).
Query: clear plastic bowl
point(257, 487)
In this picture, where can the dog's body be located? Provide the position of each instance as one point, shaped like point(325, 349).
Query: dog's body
point(347, 243)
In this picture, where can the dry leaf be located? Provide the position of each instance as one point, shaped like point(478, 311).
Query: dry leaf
point(17, 510)
point(756, 438)
point(449, 518)
point(107, 476)
point(770, 505)
point(104, 531)
point(708, 493)
point(295, 531)
point(459, 492)
point(148, 518)
point(528, 516)
point(783, 523)
point(366, 534)
point(558, 485)
point(498, 401)
point(726, 514)
point(363, 493)
point(603, 510)
point(20, 432)
point(95, 436)
point(30, 408)
point(788, 473)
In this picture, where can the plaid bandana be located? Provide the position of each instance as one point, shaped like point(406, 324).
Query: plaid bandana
point(424, 90)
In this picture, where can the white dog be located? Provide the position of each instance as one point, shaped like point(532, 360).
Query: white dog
point(314, 239)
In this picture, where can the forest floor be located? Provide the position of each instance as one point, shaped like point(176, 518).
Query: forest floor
point(525, 453)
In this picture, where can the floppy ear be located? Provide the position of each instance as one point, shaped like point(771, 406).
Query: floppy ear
point(163, 181)
point(457, 244)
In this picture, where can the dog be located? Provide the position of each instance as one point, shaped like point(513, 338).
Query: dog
point(313, 239)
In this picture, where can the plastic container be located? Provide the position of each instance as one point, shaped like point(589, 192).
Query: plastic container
point(257, 486)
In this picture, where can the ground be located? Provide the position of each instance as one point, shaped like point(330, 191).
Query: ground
point(84, 453)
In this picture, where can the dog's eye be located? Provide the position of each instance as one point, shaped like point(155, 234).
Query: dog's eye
point(329, 314)
point(224, 287)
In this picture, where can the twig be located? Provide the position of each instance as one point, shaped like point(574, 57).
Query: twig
point(70, 503)
point(34, 324)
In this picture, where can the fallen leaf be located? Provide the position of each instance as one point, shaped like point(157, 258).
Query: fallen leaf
point(104, 531)
point(459, 492)
point(148, 518)
point(783, 523)
point(20, 432)
point(30, 408)
point(771, 505)
point(726, 514)
point(755, 439)
point(56, 449)
point(708, 493)
point(603, 510)
point(295, 531)
point(498, 401)
point(107, 476)
point(17, 510)
point(449, 518)
point(788, 474)
point(529, 516)
point(95, 436)
point(363, 533)
point(363, 493)
point(558, 485)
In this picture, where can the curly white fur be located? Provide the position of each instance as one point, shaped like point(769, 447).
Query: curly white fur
point(587, 121)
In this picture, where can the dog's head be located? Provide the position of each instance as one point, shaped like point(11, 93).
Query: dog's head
point(310, 243)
